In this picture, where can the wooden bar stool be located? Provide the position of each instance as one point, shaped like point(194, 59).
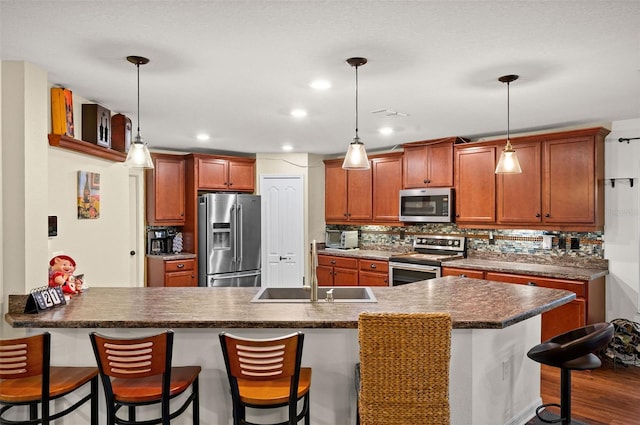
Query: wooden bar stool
point(404, 368)
point(569, 351)
point(265, 374)
point(138, 372)
point(28, 379)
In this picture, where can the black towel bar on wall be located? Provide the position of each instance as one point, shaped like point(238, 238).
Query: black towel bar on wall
point(629, 179)
point(627, 139)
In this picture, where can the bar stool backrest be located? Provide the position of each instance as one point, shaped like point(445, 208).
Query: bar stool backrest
point(135, 357)
point(24, 357)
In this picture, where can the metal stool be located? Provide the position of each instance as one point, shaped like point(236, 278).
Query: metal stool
point(569, 351)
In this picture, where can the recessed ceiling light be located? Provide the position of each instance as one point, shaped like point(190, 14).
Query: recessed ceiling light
point(298, 113)
point(320, 84)
point(287, 148)
point(203, 137)
point(385, 130)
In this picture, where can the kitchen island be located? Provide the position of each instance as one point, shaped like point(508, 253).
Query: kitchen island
point(491, 380)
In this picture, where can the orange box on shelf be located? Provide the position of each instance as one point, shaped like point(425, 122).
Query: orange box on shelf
point(62, 111)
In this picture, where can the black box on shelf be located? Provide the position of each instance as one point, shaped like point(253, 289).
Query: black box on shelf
point(96, 124)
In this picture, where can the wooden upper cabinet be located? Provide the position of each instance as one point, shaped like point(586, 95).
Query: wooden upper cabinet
point(165, 191)
point(226, 174)
point(335, 192)
point(570, 191)
point(519, 195)
point(429, 165)
point(475, 184)
point(348, 193)
point(387, 182)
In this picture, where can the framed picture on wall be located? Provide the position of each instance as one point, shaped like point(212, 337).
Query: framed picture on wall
point(88, 198)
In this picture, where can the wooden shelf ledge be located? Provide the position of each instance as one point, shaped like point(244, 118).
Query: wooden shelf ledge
point(70, 143)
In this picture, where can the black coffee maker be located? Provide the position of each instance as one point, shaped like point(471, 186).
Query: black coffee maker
point(159, 241)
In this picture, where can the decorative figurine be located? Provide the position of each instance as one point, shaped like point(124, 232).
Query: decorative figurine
point(61, 268)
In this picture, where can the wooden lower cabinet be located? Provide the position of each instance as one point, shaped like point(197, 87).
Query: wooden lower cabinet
point(569, 316)
point(161, 272)
point(335, 270)
point(453, 271)
point(586, 309)
point(373, 273)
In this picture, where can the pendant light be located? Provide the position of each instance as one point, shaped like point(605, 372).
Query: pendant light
point(508, 162)
point(138, 155)
point(356, 157)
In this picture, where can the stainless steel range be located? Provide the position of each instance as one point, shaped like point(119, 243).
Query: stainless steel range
point(425, 262)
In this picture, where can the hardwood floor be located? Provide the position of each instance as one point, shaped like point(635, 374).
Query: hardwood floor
point(604, 396)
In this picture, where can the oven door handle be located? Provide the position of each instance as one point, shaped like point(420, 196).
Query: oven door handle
point(416, 267)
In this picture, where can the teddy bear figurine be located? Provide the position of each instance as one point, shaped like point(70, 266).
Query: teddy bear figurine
point(61, 268)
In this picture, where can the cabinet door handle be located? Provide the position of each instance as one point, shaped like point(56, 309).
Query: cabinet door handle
point(426, 181)
point(180, 266)
point(226, 183)
point(457, 215)
point(532, 283)
point(283, 258)
point(230, 183)
point(462, 275)
point(345, 214)
point(547, 215)
point(333, 261)
point(538, 215)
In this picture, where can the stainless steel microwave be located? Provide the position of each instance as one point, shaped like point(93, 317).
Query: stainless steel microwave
point(427, 205)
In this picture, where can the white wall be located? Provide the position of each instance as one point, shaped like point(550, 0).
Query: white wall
point(622, 228)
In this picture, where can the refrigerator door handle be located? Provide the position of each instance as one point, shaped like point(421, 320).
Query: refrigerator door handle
point(234, 227)
point(239, 226)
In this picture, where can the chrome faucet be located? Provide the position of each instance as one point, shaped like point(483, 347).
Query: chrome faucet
point(313, 286)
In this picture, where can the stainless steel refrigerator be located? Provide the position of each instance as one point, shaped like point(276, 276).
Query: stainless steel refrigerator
point(228, 240)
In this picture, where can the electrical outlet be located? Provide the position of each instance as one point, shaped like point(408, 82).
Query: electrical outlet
point(575, 243)
point(492, 240)
point(562, 242)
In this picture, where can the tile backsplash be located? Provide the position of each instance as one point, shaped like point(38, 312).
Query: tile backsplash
point(483, 241)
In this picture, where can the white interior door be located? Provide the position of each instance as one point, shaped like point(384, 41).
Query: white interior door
point(282, 231)
point(136, 237)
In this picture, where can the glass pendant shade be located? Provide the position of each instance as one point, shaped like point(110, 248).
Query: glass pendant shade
point(138, 155)
point(356, 158)
point(508, 162)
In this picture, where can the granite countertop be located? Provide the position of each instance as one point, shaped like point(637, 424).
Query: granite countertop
point(473, 304)
point(533, 269)
point(369, 254)
point(172, 256)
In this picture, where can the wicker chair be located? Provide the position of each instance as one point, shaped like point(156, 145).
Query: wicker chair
point(404, 368)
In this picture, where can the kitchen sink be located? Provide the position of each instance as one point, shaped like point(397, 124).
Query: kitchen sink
point(341, 294)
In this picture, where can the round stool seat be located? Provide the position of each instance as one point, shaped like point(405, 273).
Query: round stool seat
point(573, 349)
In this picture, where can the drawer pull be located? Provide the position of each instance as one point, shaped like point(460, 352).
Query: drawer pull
point(180, 266)
point(532, 283)
point(463, 275)
point(333, 261)
point(373, 266)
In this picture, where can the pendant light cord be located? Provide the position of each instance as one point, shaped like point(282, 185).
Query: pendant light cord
point(138, 66)
point(356, 102)
point(508, 109)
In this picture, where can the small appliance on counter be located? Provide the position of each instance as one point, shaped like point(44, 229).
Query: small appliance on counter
point(341, 239)
point(160, 241)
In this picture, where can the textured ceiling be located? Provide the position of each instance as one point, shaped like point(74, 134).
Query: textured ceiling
point(235, 69)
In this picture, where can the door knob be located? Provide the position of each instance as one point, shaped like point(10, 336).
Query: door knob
point(132, 252)
point(283, 258)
